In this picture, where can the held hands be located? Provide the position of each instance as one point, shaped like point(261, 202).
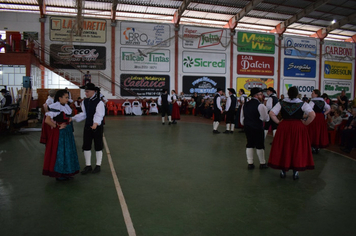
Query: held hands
point(62, 126)
point(94, 126)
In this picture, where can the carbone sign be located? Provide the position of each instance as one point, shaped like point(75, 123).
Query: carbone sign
point(338, 49)
point(300, 47)
point(255, 65)
point(199, 62)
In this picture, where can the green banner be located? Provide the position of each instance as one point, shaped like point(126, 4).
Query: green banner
point(255, 43)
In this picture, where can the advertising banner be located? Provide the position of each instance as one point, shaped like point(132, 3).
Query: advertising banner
point(202, 84)
point(204, 38)
point(338, 50)
point(255, 65)
point(77, 57)
point(143, 85)
point(134, 59)
point(333, 88)
point(202, 62)
point(255, 43)
point(303, 86)
point(300, 47)
point(299, 68)
point(338, 70)
point(64, 29)
point(145, 34)
point(248, 83)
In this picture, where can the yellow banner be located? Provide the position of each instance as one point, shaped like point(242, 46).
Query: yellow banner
point(248, 83)
point(337, 70)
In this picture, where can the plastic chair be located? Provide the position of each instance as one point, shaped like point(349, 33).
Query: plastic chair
point(332, 133)
point(120, 109)
point(111, 107)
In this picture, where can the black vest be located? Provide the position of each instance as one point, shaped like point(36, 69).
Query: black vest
point(215, 103)
point(318, 106)
point(233, 103)
point(164, 98)
point(274, 100)
point(90, 109)
point(8, 100)
point(252, 115)
point(292, 111)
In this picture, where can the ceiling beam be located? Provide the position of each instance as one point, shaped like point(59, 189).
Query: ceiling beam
point(352, 39)
point(179, 12)
point(42, 5)
point(113, 10)
point(233, 21)
point(281, 27)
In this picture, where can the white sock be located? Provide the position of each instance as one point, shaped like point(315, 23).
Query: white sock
point(227, 126)
point(249, 155)
point(274, 132)
point(261, 155)
point(217, 125)
point(99, 157)
point(214, 125)
point(232, 127)
point(87, 156)
point(170, 118)
point(266, 132)
point(162, 119)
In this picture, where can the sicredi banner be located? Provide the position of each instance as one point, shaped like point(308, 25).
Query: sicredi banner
point(255, 43)
point(203, 84)
point(300, 47)
point(65, 56)
point(204, 38)
point(143, 85)
point(303, 86)
point(202, 62)
point(255, 65)
point(248, 83)
point(63, 29)
point(299, 68)
point(338, 50)
point(135, 59)
point(334, 88)
point(144, 34)
point(337, 70)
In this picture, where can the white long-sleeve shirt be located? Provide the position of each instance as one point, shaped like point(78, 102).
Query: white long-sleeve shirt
point(98, 116)
point(262, 109)
point(312, 104)
point(159, 101)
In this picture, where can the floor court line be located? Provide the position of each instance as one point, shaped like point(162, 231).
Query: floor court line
point(125, 211)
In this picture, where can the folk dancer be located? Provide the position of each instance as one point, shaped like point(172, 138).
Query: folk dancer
point(230, 111)
point(46, 128)
point(175, 108)
point(271, 102)
point(217, 111)
point(163, 100)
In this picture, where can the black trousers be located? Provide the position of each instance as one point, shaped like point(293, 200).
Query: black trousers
point(270, 123)
point(255, 137)
point(230, 117)
point(164, 110)
point(90, 135)
point(217, 115)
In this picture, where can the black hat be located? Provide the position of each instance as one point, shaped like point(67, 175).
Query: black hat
point(218, 89)
point(255, 91)
point(90, 86)
point(164, 90)
point(3, 91)
point(271, 89)
point(232, 90)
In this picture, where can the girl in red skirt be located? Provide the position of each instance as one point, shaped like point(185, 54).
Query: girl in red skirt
point(318, 129)
point(175, 109)
point(291, 147)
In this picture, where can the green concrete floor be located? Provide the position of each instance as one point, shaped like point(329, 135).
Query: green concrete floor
point(177, 180)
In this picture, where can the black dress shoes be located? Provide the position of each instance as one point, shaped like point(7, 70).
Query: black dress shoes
point(263, 166)
point(251, 166)
point(226, 132)
point(96, 169)
point(282, 174)
point(295, 175)
point(86, 170)
point(216, 132)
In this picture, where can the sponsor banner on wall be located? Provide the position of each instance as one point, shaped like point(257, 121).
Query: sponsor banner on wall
point(145, 34)
point(143, 85)
point(63, 29)
point(202, 84)
point(248, 83)
point(299, 68)
point(204, 38)
point(300, 47)
point(255, 65)
point(77, 57)
point(337, 70)
point(333, 88)
point(255, 43)
point(338, 50)
point(201, 62)
point(303, 86)
point(134, 59)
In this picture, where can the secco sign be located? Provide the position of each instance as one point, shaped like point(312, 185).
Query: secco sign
point(255, 65)
point(256, 43)
point(199, 62)
point(337, 70)
point(300, 47)
point(299, 68)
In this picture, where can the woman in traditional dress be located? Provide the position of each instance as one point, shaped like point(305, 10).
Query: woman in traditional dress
point(318, 129)
point(127, 106)
point(175, 108)
point(291, 148)
point(153, 107)
point(61, 159)
point(136, 108)
point(46, 128)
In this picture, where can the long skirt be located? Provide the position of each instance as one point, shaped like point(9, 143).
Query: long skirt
point(175, 112)
point(318, 132)
point(291, 147)
point(61, 158)
point(46, 129)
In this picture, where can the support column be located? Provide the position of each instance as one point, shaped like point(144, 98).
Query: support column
point(280, 38)
point(42, 46)
point(232, 33)
point(176, 56)
point(113, 72)
point(320, 61)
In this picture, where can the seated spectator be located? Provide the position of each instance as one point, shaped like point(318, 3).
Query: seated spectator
point(184, 106)
point(201, 107)
point(191, 106)
point(334, 120)
point(144, 106)
point(344, 113)
point(181, 96)
point(127, 106)
point(333, 108)
point(326, 98)
point(153, 107)
point(348, 135)
point(179, 103)
point(136, 108)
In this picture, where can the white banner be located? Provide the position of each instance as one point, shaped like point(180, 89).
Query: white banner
point(300, 47)
point(338, 50)
point(203, 63)
point(133, 59)
point(204, 38)
point(303, 86)
point(333, 88)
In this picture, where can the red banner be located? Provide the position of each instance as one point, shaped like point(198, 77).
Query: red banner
point(255, 65)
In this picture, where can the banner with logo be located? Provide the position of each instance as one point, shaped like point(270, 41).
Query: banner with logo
point(202, 84)
point(77, 57)
point(334, 88)
point(63, 29)
point(202, 62)
point(143, 85)
point(303, 86)
point(255, 65)
point(337, 70)
point(255, 43)
point(248, 83)
point(204, 38)
point(134, 59)
point(145, 34)
point(299, 68)
point(300, 47)
point(338, 50)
